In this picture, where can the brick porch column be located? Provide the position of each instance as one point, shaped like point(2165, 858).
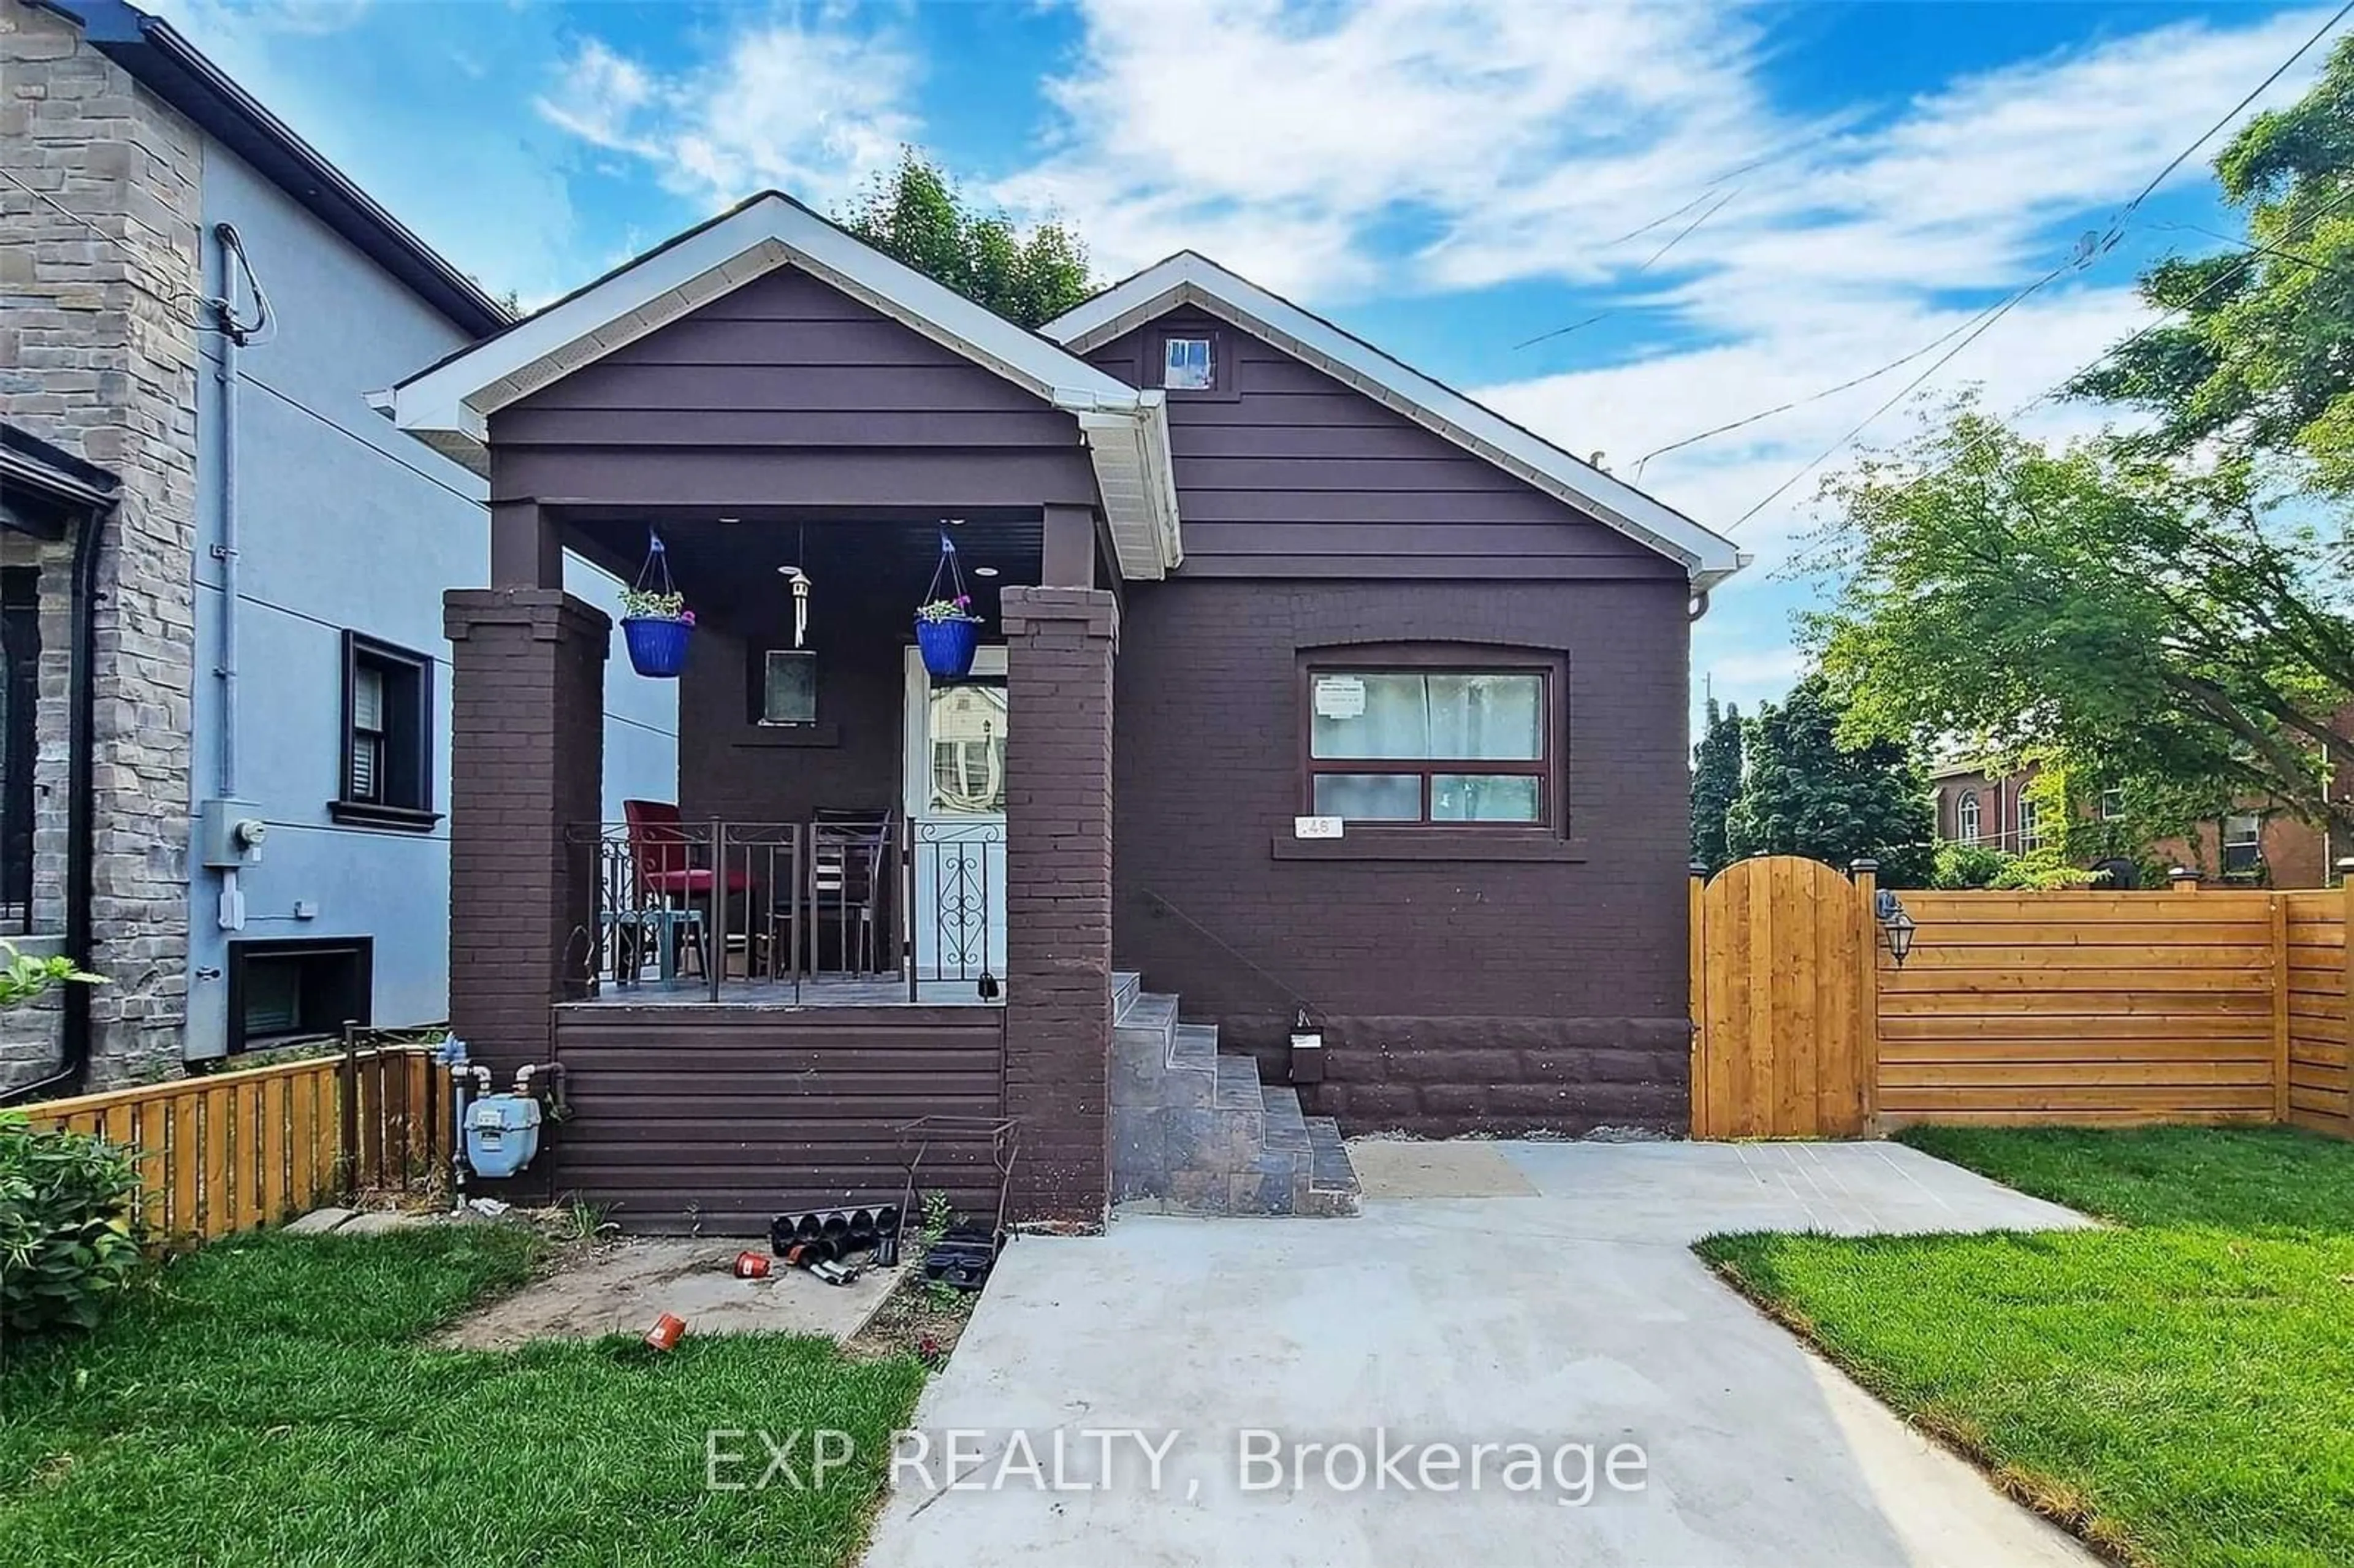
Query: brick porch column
point(1058, 663)
point(527, 761)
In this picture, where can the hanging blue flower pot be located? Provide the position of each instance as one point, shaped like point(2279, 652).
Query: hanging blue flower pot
point(657, 645)
point(947, 645)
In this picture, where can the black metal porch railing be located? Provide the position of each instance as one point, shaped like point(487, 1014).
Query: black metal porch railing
point(685, 907)
point(955, 899)
point(865, 909)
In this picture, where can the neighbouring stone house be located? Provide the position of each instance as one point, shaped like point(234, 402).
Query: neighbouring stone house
point(194, 308)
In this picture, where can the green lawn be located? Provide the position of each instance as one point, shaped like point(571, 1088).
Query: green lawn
point(2179, 1389)
point(271, 1402)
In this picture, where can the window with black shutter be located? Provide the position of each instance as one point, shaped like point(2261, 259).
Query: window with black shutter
point(388, 737)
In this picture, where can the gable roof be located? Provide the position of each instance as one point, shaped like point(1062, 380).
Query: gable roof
point(449, 405)
point(1187, 278)
point(167, 65)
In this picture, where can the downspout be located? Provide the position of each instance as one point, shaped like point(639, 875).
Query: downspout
point(73, 1065)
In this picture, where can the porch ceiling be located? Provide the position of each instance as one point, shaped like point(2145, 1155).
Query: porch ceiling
point(730, 569)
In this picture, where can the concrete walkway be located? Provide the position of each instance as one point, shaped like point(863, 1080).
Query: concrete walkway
point(1564, 1310)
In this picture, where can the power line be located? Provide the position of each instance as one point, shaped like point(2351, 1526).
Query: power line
point(2085, 256)
point(2261, 249)
point(1832, 451)
point(171, 302)
point(250, 379)
point(1712, 187)
point(2116, 225)
point(245, 376)
point(2169, 312)
point(1662, 250)
point(1811, 398)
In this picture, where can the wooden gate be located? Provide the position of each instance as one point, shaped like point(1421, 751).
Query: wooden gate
point(1781, 951)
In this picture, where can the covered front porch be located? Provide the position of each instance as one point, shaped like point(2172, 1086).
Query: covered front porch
point(879, 896)
point(838, 834)
point(765, 392)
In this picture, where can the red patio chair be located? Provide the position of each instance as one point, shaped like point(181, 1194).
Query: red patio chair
point(663, 857)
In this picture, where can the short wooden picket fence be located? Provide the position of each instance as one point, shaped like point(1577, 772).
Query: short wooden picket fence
point(235, 1151)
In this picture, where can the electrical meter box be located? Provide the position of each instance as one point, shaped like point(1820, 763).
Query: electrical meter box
point(229, 833)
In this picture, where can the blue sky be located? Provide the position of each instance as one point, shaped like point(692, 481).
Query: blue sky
point(1449, 180)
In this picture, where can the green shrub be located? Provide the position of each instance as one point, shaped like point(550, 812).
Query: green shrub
point(1967, 866)
point(68, 1247)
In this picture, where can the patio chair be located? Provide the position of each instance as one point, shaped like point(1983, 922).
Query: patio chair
point(663, 857)
point(849, 856)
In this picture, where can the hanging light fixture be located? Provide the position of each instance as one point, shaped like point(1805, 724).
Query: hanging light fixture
point(1896, 927)
point(800, 581)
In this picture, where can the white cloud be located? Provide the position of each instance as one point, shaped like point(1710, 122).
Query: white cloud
point(1284, 137)
point(1519, 140)
point(811, 101)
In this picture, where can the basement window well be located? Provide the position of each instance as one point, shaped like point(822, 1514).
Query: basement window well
point(283, 992)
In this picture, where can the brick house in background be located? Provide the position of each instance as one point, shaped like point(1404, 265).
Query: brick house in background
point(1979, 806)
point(262, 564)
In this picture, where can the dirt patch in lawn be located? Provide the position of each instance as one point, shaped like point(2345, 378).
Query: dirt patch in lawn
point(917, 1320)
point(621, 1287)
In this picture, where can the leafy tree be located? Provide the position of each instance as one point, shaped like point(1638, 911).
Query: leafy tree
point(1960, 865)
point(2094, 606)
point(2262, 361)
point(1803, 791)
point(916, 214)
point(1716, 781)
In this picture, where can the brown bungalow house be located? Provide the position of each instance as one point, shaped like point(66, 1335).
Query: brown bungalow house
point(1309, 690)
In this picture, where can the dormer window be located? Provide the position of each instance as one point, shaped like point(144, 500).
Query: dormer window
point(1188, 364)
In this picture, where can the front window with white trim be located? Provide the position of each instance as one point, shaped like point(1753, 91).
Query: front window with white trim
point(1965, 818)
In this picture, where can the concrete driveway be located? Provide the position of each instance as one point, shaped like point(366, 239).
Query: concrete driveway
point(1531, 1294)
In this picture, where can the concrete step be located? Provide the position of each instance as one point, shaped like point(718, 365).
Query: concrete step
point(1140, 1048)
point(1149, 1015)
point(1194, 1047)
point(1238, 1084)
point(1126, 987)
point(1329, 1166)
point(1287, 1126)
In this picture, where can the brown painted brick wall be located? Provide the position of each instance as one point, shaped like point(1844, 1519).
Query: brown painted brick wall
point(1454, 995)
point(527, 760)
point(1059, 649)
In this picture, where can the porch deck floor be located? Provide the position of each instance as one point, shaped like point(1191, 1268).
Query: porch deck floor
point(818, 991)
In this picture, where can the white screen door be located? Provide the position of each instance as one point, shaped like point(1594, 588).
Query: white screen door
point(955, 773)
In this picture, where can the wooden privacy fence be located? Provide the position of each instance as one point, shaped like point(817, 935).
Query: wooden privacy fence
point(2083, 1008)
point(234, 1151)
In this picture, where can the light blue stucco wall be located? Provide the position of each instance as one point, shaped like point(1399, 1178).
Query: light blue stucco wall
point(343, 522)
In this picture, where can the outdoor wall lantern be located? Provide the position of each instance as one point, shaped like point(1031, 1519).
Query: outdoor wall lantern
point(1896, 927)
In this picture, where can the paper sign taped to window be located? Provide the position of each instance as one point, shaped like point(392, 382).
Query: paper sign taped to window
point(1315, 827)
point(1340, 697)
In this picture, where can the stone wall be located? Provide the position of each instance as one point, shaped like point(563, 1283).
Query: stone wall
point(99, 286)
